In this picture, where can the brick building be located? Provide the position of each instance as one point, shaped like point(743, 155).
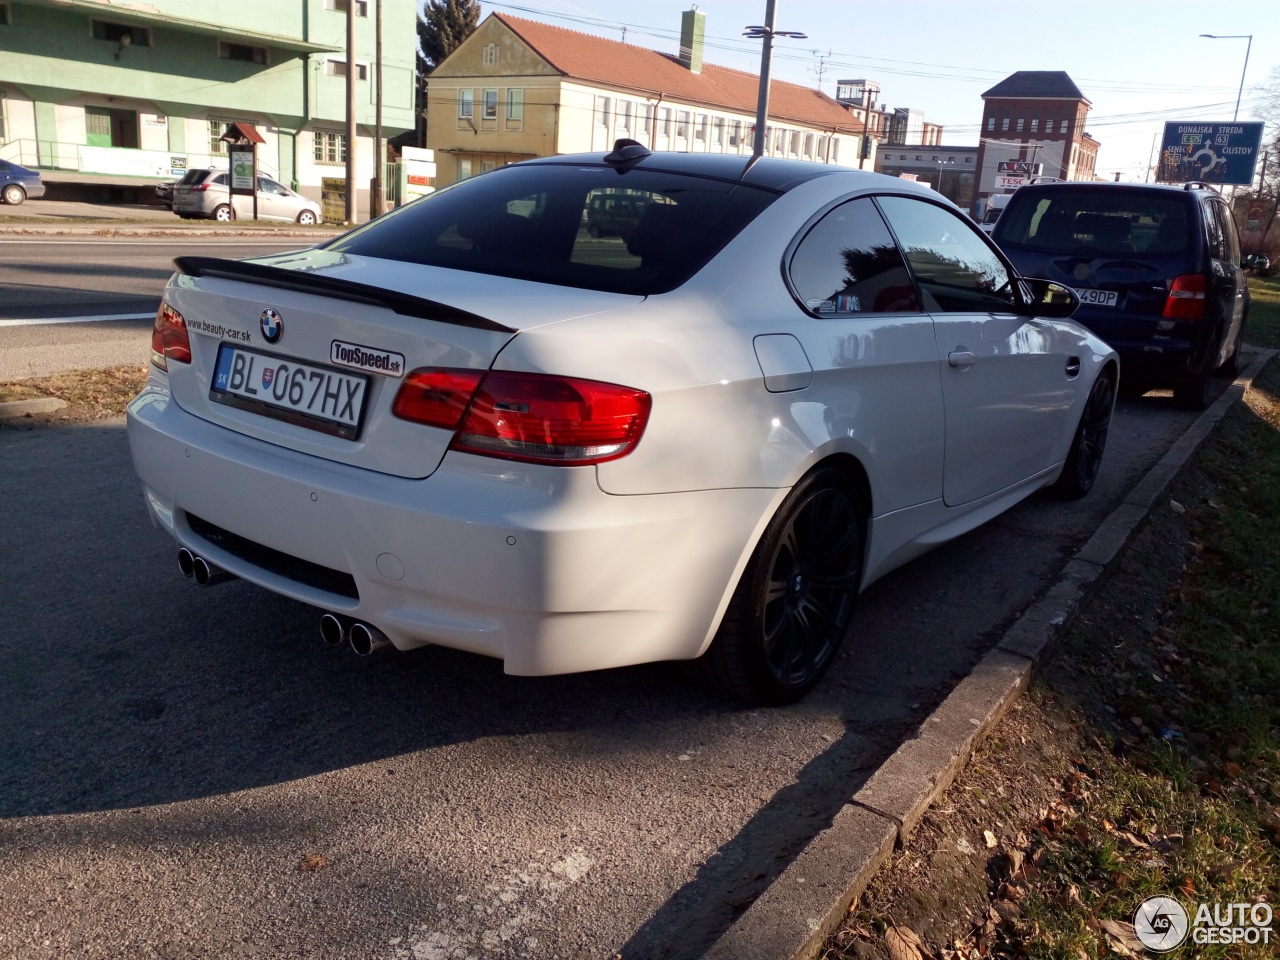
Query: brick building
point(1036, 116)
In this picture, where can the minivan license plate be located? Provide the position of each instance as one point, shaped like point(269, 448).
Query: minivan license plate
point(1098, 298)
point(319, 398)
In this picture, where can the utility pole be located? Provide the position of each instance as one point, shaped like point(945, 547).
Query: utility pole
point(766, 33)
point(377, 202)
point(351, 112)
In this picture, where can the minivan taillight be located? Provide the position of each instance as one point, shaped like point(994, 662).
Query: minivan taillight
point(531, 417)
point(1186, 297)
point(169, 340)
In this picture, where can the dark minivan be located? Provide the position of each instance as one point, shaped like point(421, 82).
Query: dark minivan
point(1157, 269)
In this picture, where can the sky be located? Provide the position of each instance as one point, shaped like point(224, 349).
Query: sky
point(1139, 62)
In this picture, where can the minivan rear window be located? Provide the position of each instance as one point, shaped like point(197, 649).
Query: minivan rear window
point(1096, 223)
point(635, 231)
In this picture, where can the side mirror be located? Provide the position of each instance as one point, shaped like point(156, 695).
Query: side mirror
point(1044, 298)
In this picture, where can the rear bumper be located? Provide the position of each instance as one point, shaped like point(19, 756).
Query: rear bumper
point(533, 565)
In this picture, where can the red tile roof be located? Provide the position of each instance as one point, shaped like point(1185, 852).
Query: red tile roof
point(581, 56)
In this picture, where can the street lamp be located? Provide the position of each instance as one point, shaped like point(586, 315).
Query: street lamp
point(942, 166)
point(766, 33)
point(1249, 47)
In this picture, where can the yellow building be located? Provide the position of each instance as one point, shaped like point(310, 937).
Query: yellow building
point(517, 89)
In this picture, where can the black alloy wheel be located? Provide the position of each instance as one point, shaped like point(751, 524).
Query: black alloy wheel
point(790, 610)
point(1084, 459)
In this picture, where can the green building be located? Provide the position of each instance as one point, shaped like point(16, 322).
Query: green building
point(93, 90)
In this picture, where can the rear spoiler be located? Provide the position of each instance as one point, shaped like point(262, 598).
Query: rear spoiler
point(304, 282)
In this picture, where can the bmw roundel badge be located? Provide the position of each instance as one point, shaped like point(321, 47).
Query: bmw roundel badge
point(272, 325)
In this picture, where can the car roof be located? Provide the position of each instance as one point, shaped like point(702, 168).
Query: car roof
point(1068, 186)
point(768, 172)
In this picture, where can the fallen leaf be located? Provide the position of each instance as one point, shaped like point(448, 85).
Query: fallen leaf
point(1176, 507)
point(901, 943)
point(1122, 939)
point(312, 862)
point(990, 838)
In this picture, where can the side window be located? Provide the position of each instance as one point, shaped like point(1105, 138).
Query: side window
point(956, 269)
point(1227, 227)
point(848, 264)
point(1213, 232)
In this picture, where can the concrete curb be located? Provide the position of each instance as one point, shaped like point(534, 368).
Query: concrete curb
point(13, 409)
point(808, 901)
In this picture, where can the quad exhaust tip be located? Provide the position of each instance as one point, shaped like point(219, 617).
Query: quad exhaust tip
point(204, 572)
point(365, 639)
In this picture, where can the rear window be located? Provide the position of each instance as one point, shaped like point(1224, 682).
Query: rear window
point(1096, 222)
point(639, 232)
point(193, 176)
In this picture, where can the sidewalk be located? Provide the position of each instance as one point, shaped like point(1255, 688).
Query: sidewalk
point(40, 218)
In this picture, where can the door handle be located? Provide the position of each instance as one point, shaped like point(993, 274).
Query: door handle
point(960, 358)
point(1073, 366)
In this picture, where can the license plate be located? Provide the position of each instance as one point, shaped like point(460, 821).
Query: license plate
point(1098, 298)
point(319, 398)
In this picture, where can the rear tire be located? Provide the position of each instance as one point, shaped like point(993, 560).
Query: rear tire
point(223, 213)
point(793, 604)
point(13, 194)
point(1195, 393)
point(1084, 460)
point(1231, 366)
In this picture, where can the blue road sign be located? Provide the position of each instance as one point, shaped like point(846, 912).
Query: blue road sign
point(1212, 152)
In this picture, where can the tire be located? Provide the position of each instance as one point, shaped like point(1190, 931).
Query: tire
point(13, 194)
point(307, 218)
point(1084, 459)
point(1195, 394)
point(223, 213)
point(792, 606)
point(594, 231)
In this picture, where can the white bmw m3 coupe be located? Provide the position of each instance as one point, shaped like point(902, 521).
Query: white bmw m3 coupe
point(697, 435)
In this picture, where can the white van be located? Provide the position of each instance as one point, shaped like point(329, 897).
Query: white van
point(991, 211)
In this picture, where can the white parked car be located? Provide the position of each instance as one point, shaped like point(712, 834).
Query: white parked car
point(206, 193)
point(472, 423)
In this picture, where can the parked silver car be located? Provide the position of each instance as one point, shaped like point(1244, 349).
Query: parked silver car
point(205, 193)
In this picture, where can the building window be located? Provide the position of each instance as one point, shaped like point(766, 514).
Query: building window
point(6, 18)
point(735, 134)
point(808, 146)
point(362, 6)
point(338, 68)
point(717, 132)
point(1035, 124)
point(991, 123)
point(779, 141)
point(682, 123)
point(217, 127)
point(624, 116)
point(466, 104)
point(491, 104)
point(242, 52)
point(1020, 122)
point(968, 159)
point(700, 130)
point(491, 55)
point(646, 117)
point(664, 122)
point(604, 112)
point(1063, 128)
point(125, 34)
point(329, 146)
point(464, 168)
point(515, 103)
point(1004, 124)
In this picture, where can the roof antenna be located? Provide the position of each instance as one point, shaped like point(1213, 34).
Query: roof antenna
point(624, 33)
point(627, 151)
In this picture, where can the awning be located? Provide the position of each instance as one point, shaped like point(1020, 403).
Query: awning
point(237, 132)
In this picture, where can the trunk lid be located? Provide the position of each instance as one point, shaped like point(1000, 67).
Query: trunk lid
point(307, 350)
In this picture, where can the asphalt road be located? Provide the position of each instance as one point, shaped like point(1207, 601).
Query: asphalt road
point(186, 772)
point(67, 279)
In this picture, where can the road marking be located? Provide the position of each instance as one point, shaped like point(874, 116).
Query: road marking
point(104, 318)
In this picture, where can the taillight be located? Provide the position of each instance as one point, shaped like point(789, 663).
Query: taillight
point(532, 417)
point(199, 188)
point(436, 397)
point(1186, 297)
point(169, 340)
